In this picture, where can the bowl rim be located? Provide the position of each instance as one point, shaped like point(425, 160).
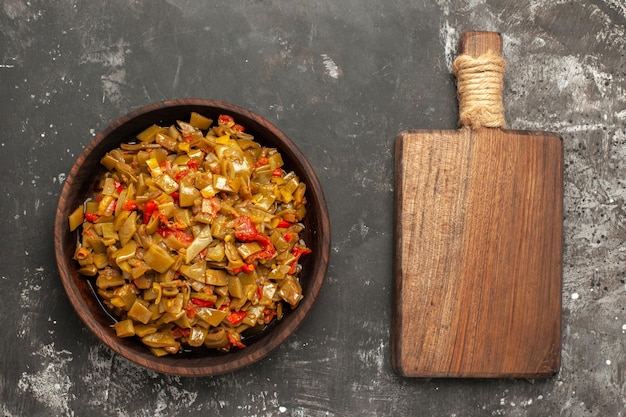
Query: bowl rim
point(170, 364)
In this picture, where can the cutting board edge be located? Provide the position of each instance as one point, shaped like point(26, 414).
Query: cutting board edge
point(396, 322)
point(548, 133)
point(484, 376)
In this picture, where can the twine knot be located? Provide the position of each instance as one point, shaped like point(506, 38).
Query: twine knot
point(479, 90)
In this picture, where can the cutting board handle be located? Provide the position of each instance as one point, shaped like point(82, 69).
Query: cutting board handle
point(479, 43)
point(479, 70)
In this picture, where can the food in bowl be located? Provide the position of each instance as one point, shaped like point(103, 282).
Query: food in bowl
point(193, 236)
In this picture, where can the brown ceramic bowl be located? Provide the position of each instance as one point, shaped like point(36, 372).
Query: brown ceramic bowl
point(80, 290)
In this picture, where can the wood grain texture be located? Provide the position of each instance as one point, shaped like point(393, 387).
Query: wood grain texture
point(478, 272)
point(478, 43)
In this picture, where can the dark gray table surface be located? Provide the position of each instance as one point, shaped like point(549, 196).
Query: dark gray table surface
point(342, 79)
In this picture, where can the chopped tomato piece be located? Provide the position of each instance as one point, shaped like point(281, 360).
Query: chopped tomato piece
point(179, 332)
point(245, 268)
point(193, 164)
point(149, 210)
point(235, 340)
point(129, 205)
point(246, 231)
point(268, 315)
point(297, 251)
point(118, 186)
point(262, 161)
point(182, 174)
point(92, 217)
point(236, 317)
point(202, 303)
point(190, 311)
point(283, 224)
point(226, 120)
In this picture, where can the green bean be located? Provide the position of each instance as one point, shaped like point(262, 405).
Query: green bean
point(193, 235)
point(158, 258)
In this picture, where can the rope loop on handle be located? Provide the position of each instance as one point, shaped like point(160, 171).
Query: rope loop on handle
point(480, 82)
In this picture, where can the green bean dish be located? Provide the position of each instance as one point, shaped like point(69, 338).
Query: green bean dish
point(193, 236)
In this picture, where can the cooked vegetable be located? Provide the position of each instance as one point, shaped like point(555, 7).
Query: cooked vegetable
point(193, 235)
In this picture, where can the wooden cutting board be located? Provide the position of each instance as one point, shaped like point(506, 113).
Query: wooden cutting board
point(478, 248)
